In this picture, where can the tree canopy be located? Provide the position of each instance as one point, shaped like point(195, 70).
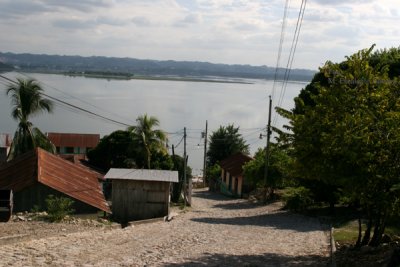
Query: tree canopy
point(147, 139)
point(113, 151)
point(27, 101)
point(345, 132)
point(225, 141)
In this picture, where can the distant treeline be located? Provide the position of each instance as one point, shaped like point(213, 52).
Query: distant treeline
point(63, 64)
point(105, 74)
point(5, 67)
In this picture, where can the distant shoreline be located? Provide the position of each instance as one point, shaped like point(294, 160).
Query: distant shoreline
point(156, 78)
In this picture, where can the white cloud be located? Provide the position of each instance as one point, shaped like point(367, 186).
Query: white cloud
point(222, 31)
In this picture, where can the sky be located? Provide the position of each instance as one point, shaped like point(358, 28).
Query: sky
point(217, 31)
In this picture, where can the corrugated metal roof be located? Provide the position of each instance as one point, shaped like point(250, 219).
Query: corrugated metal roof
point(143, 175)
point(19, 173)
point(234, 164)
point(53, 171)
point(74, 139)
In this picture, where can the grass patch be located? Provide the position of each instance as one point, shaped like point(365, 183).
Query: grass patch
point(347, 232)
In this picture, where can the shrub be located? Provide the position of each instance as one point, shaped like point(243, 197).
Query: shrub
point(58, 207)
point(297, 198)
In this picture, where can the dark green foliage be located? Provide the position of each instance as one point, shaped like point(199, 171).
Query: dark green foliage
point(140, 146)
point(58, 207)
point(178, 165)
point(346, 137)
point(225, 142)
point(254, 171)
point(297, 198)
point(113, 151)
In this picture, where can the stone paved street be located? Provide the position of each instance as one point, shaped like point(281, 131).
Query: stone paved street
point(217, 231)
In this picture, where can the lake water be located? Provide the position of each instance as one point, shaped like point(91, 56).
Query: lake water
point(177, 104)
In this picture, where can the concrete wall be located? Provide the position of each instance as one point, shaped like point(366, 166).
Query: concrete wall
point(234, 183)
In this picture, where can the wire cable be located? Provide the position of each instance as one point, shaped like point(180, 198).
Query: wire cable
point(291, 56)
point(74, 106)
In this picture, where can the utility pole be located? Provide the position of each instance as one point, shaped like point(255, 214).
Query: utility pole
point(205, 157)
point(267, 149)
point(184, 167)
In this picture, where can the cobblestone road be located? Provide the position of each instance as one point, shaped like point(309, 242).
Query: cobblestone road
point(218, 231)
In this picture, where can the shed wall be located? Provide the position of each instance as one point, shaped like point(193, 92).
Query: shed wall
point(36, 195)
point(139, 200)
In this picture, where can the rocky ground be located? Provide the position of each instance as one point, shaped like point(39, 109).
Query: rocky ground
point(347, 256)
point(216, 231)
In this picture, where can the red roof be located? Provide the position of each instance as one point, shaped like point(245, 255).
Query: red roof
point(53, 171)
point(234, 164)
point(74, 139)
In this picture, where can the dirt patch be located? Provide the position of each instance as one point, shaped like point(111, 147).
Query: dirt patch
point(25, 229)
point(347, 256)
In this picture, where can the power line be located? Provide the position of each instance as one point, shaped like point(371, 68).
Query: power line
point(74, 106)
point(77, 98)
point(291, 55)
point(280, 47)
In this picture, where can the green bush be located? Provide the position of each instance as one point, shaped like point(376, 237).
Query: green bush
point(58, 207)
point(297, 198)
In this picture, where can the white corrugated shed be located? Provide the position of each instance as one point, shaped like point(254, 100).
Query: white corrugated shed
point(142, 175)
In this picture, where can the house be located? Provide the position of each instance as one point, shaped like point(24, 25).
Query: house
point(73, 145)
point(5, 144)
point(140, 194)
point(233, 182)
point(35, 175)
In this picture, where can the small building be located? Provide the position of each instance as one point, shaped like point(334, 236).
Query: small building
point(73, 145)
point(35, 175)
point(140, 194)
point(232, 179)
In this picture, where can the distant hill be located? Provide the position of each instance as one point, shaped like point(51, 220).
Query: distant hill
point(5, 67)
point(65, 64)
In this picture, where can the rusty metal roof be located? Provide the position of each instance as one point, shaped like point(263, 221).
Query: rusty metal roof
point(234, 164)
point(53, 171)
point(74, 139)
point(142, 175)
point(19, 173)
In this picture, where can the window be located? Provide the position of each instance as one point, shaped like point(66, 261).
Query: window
point(69, 150)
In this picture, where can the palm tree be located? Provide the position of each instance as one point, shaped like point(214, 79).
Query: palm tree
point(146, 138)
point(27, 101)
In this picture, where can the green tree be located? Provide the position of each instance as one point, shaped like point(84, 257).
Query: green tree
point(147, 139)
point(224, 142)
point(178, 165)
point(27, 101)
point(113, 151)
point(254, 170)
point(345, 133)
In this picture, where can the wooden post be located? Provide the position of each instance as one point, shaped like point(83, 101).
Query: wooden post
point(184, 168)
point(205, 157)
point(267, 150)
